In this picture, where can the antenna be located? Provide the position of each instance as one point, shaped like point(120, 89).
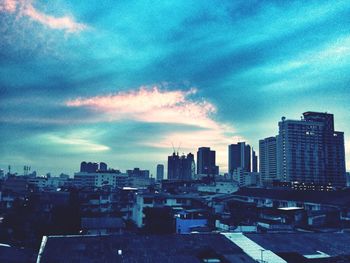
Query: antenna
point(173, 146)
point(178, 148)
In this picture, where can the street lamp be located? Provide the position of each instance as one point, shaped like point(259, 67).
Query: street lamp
point(262, 255)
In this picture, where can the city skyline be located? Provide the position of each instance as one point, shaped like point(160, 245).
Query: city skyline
point(109, 83)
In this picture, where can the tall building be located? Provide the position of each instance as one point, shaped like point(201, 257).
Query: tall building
point(239, 156)
point(310, 150)
point(181, 167)
point(254, 162)
point(268, 160)
point(206, 163)
point(103, 166)
point(173, 166)
point(160, 172)
point(188, 166)
point(88, 167)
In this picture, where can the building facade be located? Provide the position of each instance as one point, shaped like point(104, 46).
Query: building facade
point(160, 172)
point(268, 160)
point(181, 167)
point(206, 163)
point(239, 156)
point(311, 151)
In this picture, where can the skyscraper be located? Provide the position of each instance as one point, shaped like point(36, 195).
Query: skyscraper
point(103, 166)
point(173, 166)
point(160, 172)
point(310, 151)
point(268, 160)
point(206, 163)
point(239, 156)
point(254, 162)
point(188, 166)
point(181, 167)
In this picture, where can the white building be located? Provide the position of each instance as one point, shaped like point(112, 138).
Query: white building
point(245, 178)
point(85, 179)
point(159, 200)
point(311, 151)
point(268, 160)
point(219, 187)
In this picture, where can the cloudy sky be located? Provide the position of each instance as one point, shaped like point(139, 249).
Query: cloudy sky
point(121, 81)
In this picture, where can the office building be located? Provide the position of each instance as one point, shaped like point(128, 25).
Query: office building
point(206, 163)
point(254, 162)
point(311, 151)
point(160, 172)
point(268, 160)
point(239, 156)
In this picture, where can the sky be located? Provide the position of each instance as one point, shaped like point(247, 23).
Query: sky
point(125, 81)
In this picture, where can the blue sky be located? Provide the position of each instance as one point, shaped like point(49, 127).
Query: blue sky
point(121, 81)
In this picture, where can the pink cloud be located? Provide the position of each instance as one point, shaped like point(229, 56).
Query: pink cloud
point(151, 105)
point(26, 8)
point(161, 106)
point(8, 6)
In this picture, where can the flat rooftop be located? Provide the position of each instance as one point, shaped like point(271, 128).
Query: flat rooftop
point(332, 244)
point(134, 248)
point(337, 198)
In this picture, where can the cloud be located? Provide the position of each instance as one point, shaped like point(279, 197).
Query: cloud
point(78, 141)
point(8, 6)
point(25, 8)
point(153, 105)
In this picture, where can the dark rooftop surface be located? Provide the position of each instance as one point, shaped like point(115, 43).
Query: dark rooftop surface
point(16, 255)
point(102, 222)
point(339, 198)
point(141, 248)
point(333, 244)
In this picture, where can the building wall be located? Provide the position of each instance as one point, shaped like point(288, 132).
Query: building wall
point(206, 161)
point(268, 160)
point(309, 150)
point(160, 172)
point(183, 226)
point(239, 156)
point(87, 179)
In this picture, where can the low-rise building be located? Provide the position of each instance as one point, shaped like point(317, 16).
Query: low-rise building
point(187, 220)
point(102, 225)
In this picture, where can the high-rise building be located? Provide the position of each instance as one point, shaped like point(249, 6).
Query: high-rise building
point(181, 167)
point(268, 160)
point(103, 166)
point(254, 162)
point(160, 172)
point(206, 163)
point(239, 157)
point(188, 166)
point(173, 166)
point(310, 151)
point(88, 167)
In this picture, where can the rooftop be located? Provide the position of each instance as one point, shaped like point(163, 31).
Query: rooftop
point(307, 244)
point(141, 248)
point(337, 198)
